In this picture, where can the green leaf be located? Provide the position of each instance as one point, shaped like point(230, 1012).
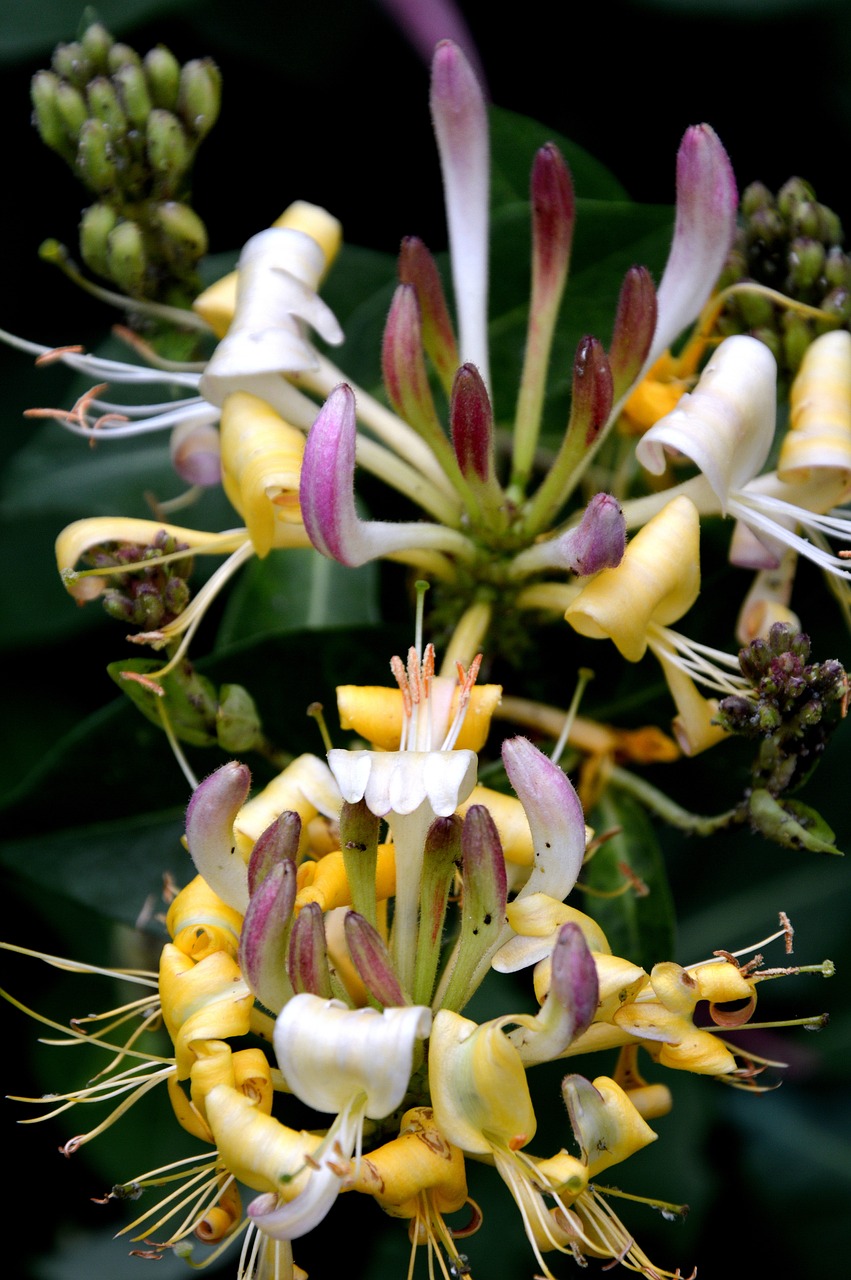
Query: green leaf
point(514, 141)
point(31, 27)
point(189, 700)
point(294, 590)
point(639, 928)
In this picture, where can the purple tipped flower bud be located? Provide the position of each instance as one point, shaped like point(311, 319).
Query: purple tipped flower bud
point(574, 977)
point(196, 453)
point(264, 938)
point(308, 954)
point(471, 418)
point(372, 961)
point(209, 832)
point(635, 324)
point(599, 540)
point(280, 840)
point(553, 220)
point(593, 391)
point(403, 363)
point(418, 268)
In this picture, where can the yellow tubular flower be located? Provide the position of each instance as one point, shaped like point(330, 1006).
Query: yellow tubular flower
point(257, 1148)
point(325, 881)
point(657, 581)
point(261, 468)
point(200, 923)
point(418, 1161)
point(305, 787)
point(818, 442)
point(201, 1002)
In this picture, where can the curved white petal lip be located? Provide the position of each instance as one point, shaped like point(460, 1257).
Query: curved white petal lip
point(331, 1055)
point(400, 781)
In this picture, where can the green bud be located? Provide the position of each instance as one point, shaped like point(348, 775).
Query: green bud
point(121, 55)
point(133, 91)
point(755, 309)
point(104, 105)
point(797, 336)
point(95, 162)
point(162, 71)
point(792, 195)
point(765, 227)
point(168, 150)
point(238, 725)
point(70, 62)
point(806, 219)
point(184, 234)
point(97, 223)
point(126, 258)
point(72, 108)
point(200, 95)
point(47, 116)
point(755, 197)
point(837, 268)
point(806, 263)
point(830, 227)
point(96, 44)
point(837, 303)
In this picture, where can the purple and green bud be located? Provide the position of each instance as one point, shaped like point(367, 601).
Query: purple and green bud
point(278, 842)
point(471, 421)
point(593, 391)
point(635, 324)
point(265, 936)
point(371, 958)
point(574, 980)
point(553, 221)
point(210, 816)
point(308, 954)
point(441, 859)
point(403, 364)
point(418, 268)
point(484, 895)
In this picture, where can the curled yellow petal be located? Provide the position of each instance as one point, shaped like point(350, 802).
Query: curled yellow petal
point(419, 1160)
point(325, 880)
point(819, 435)
point(257, 1148)
point(200, 923)
point(657, 581)
point(261, 468)
point(78, 538)
point(204, 1001)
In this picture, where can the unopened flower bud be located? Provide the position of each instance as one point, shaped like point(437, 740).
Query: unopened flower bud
point(264, 939)
point(806, 263)
point(167, 148)
point(209, 832)
point(599, 539)
point(471, 420)
point(200, 96)
point(95, 161)
point(806, 220)
point(635, 324)
point(72, 108)
point(104, 105)
point(308, 953)
point(47, 116)
point(162, 71)
point(121, 55)
point(126, 258)
point(755, 197)
point(133, 90)
point(418, 268)
point(96, 43)
point(280, 840)
point(71, 63)
point(184, 234)
point(372, 960)
point(98, 221)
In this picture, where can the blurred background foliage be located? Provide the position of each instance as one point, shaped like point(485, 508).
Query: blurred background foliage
point(328, 102)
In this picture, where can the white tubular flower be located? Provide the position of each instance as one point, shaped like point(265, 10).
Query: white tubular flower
point(726, 428)
point(355, 1062)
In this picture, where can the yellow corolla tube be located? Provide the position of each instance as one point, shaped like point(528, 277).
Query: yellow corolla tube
point(657, 581)
point(261, 469)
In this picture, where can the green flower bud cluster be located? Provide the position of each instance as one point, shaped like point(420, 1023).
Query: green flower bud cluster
point(130, 127)
point(147, 598)
point(793, 244)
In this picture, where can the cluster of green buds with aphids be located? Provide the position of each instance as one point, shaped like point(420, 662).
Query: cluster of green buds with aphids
point(792, 244)
point(795, 706)
point(146, 596)
point(129, 128)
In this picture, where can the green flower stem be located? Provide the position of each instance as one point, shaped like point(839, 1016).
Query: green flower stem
point(665, 807)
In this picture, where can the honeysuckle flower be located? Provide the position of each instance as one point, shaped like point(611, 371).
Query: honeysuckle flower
point(356, 1063)
point(634, 604)
point(726, 428)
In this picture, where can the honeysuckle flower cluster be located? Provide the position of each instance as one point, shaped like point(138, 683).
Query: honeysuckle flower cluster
point(285, 935)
